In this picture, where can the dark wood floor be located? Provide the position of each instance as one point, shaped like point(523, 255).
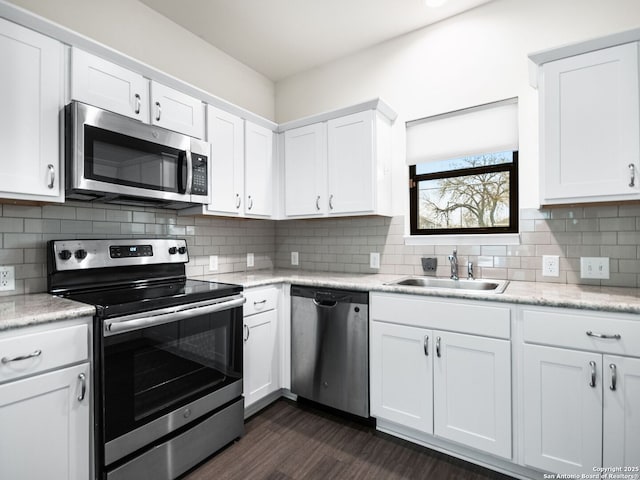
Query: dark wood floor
point(290, 441)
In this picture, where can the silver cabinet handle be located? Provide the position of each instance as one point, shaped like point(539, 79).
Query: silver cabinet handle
point(238, 200)
point(34, 354)
point(318, 203)
point(438, 347)
point(261, 302)
point(83, 386)
point(249, 203)
point(614, 376)
point(425, 345)
point(615, 336)
point(138, 103)
point(331, 202)
point(246, 328)
point(159, 110)
point(632, 175)
point(592, 383)
point(52, 175)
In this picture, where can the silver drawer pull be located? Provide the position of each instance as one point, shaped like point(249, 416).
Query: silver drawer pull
point(83, 383)
point(261, 302)
point(604, 335)
point(35, 354)
point(438, 347)
point(592, 383)
point(614, 376)
point(426, 345)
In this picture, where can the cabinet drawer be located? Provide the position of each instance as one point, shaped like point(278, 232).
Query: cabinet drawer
point(569, 329)
point(57, 347)
point(478, 318)
point(260, 300)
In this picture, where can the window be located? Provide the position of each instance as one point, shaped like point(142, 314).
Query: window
point(463, 171)
point(474, 194)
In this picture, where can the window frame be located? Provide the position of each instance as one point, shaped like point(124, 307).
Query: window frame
point(414, 180)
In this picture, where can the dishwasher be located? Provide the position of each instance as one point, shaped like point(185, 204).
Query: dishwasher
point(330, 347)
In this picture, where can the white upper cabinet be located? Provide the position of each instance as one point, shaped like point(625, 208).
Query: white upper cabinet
point(106, 85)
point(590, 124)
point(258, 165)
point(339, 165)
point(176, 111)
point(225, 133)
point(31, 99)
point(305, 171)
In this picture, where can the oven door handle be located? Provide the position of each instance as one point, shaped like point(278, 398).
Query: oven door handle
point(113, 327)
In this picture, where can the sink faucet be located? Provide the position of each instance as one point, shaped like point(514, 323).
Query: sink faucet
point(453, 259)
point(470, 271)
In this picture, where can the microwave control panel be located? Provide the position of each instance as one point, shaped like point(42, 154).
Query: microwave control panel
point(199, 171)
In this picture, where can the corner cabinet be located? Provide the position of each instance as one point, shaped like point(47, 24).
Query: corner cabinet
point(31, 95)
point(45, 381)
point(442, 370)
point(580, 390)
point(589, 124)
point(339, 166)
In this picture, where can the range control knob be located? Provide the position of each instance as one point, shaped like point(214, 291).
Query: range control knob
point(80, 254)
point(65, 254)
point(172, 250)
point(182, 250)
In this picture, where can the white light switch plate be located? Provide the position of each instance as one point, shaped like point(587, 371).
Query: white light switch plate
point(213, 263)
point(294, 258)
point(249, 259)
point(550, 266)
point(7, 278)
point(594, 267)
point(374, 260)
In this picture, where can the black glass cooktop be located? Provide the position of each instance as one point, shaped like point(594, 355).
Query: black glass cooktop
point(126, 300)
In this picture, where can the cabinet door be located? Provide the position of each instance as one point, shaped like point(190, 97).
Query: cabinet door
point(45, 427)
point(351, 163)
point(31, 96)
point(106, 85)
point(621, 439)
point(176, 111)
point(562, 409)
point(402, 375)
point(258, 169)
point(261, 355)
point(472, 391)
point(226, 136)
point(305, 171)
point(590, 123)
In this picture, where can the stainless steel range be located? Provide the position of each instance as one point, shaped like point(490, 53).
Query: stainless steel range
point(167, 354)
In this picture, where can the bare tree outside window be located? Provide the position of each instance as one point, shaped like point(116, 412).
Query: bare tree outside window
point(469, 194)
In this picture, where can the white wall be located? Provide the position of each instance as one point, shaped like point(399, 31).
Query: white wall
point(476, 57)
point(138, 31)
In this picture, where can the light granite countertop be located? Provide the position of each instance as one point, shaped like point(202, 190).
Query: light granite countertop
point(610, 299)
point(19, 311)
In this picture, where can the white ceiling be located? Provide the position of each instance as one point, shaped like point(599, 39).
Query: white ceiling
point(279, 38)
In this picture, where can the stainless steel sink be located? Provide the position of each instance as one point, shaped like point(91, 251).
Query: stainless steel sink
point(479, 285)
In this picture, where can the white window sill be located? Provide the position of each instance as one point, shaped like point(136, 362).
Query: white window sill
point(490, 239)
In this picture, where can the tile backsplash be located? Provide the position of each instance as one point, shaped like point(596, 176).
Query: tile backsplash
point(335, 245)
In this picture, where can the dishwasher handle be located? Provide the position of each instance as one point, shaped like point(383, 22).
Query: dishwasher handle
point(325, 303)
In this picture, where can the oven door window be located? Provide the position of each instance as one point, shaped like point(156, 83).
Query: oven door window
point(122, 160)
point(152, 371)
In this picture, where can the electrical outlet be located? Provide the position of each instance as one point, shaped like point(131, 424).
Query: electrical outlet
point(374, 260)
point(550, 266)
point(250, 259)
point(594, 267)
point(7, 278)
point(213, 263)
point(294, 258)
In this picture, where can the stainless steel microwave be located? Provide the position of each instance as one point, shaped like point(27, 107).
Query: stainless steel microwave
point(116, 159)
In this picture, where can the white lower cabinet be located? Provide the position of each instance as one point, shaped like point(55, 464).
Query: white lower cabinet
point(261, 346)
point(454, 386)
point(581, 390)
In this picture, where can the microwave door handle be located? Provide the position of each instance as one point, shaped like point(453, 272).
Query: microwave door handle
point(114, 327)
point(189, 172)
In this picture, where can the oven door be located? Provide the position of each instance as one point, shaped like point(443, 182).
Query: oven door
point(116, 155)
point(165, 369)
